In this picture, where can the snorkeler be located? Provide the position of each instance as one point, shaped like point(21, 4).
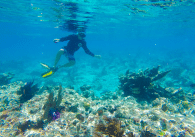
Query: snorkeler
point(75, 42)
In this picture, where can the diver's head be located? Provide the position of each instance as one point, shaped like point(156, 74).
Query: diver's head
point(81, 35)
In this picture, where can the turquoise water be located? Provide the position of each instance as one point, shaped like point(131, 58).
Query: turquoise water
point(128, 34)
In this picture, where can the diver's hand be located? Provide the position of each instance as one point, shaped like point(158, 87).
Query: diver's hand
point(56, 40)
point(98, 56)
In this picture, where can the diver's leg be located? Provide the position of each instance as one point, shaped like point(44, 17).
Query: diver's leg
point(69, 64)
point(58, 56)
point(71, 60)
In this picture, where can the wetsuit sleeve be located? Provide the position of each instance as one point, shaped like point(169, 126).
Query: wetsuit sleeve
point(65, 38)
point(87, 50)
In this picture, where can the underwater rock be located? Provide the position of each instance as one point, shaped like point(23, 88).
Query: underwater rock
point(85, 87)
point(86, 106)
point(70, 87)
point(136, 120)
point(27, 91)
point(186, 104)
point(24, 126)
point(80, 117)
point(119, 114)
point(34, 135)
point(156, 102)
point(163, 123)
point(130, 134)
point(143, 124)
point(5, 78)
point(88, 93)
point(147, 134)
point(27, 125)
point(107, 94)
point(75, 121)
point(175, 95)
point(110, 126)
point(112, 108)
point(73, 108)
point(100, 111)
point(154, 117)
point(140, 85)
point(33, 111)
point(164, 107)
point(105, 91)
point(115, 96)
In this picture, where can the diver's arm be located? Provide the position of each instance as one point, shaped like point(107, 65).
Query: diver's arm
point(87, 51)
point(98, 56)
point(62, 39)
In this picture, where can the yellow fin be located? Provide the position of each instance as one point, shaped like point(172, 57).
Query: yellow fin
point(45, 65)
point(47, 74)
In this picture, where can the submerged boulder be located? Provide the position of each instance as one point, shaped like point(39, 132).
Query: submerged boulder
point(5, 78)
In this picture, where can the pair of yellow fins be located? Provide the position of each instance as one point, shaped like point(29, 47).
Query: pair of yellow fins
point(47, 73)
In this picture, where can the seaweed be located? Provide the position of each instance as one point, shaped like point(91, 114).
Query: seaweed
point(52, 106)
point(140, 85)
point(110, 126)
point(27, 91)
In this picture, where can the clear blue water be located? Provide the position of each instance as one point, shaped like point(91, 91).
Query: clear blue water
point(128, 34)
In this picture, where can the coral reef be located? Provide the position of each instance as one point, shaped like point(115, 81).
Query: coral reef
point(86, 106)
point(110, 126)
point(5, 78)
point(80, 117)
point(52, 107)
point(85, 87)
point(52, 110)
point(130, 134)
point(141, 85)
point(86, 92)
point(29, 125)
point(147, 134)
point(123, 117)
point(27, 91)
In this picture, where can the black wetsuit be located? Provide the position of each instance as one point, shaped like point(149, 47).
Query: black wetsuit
point(73, 45)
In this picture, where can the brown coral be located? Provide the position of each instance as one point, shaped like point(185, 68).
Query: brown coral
point(140, 85)
point(110, 127)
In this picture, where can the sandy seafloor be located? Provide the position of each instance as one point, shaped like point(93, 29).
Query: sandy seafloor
point(101, 75)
